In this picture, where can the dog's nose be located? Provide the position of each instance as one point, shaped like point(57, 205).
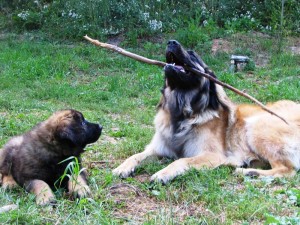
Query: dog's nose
point(173, 42)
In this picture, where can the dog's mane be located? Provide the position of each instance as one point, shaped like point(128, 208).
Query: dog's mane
point(189, 100)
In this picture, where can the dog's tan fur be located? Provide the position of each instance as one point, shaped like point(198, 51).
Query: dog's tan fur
point(235, 135)
point(250, 135)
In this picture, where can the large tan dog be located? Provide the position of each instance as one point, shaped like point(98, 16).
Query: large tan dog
point(199, 126)
point(38, 159)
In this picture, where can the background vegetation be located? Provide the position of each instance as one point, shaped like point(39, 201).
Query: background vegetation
point(139, 19)
point(45, 65)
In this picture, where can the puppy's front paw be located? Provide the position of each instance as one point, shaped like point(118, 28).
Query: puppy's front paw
point(82, 191)
point(8, 182)
point(124, 170)
point(78, 187)
point(45, 199)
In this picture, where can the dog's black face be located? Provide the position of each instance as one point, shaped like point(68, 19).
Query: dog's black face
point(179, 61)
point(76, 132)
point(185, 93)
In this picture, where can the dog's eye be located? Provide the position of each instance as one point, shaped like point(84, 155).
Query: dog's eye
point(83, 122)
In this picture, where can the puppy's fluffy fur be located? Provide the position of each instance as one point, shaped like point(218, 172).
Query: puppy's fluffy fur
point(34, 159)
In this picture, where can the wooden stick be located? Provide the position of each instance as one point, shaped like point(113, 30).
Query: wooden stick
point(195, 71)
point(237, 91)
point(124, 52)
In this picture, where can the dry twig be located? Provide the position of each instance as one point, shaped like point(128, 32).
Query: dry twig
point(195, 71)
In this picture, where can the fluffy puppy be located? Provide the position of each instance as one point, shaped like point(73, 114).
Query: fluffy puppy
point(37, 159)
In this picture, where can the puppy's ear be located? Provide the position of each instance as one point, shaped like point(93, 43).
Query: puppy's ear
point(69, 136)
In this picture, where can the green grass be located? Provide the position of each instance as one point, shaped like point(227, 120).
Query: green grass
point(38, 77)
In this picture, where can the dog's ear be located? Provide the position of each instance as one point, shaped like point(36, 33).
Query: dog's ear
point(69, 136)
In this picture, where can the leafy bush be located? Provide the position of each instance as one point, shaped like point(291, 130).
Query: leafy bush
point(136, 19)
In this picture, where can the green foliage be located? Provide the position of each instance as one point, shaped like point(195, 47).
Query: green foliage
point(192, 34)
point(138, 19)
point(281, 220)
point(72, 170)
point(250, 66)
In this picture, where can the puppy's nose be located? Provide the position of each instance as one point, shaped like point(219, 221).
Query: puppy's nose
point(173, 42)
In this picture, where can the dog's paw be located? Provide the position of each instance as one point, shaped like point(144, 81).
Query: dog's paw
point(79, 188)
point(46, 198)
point(82, 191)
point(239, 171)
point(167, 174)
point(8, 182)
point(252, 174)
point(162, 176)
point(123, 170)
point(247, 172)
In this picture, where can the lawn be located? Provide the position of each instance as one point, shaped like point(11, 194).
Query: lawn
point(38, 77)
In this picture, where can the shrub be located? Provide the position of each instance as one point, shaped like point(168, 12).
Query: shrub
point(136, 19)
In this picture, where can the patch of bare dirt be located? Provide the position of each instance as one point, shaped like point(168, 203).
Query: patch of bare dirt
point(261, 60)
point(295, 50)
point(294, 46)
point(142, 177)
point(221, 45)
point(136, 206)
point(103, 164)
point(108, 139)
point(116, 40)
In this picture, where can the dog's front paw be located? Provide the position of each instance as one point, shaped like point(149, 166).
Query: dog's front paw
point(247, 172)
point(45, 199)
point(82, 191)
point(238, 171)
point(124, 170)
point(162, 176)
point(8, 182)
point(45, 196)
point(78, 187)
point(176, 168)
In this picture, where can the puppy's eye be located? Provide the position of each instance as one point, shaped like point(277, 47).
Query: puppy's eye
point(83, 123)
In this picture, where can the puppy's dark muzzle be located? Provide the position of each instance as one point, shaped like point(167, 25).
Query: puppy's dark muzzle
point(94, 132)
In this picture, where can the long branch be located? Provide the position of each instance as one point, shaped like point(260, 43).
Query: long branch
point(195, 71)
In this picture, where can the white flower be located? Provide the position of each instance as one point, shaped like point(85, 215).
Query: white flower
point(146, 16)
point(111, 30)
point(23, 15)
point(268, 28)
point(155, 25)
point(74, 15)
